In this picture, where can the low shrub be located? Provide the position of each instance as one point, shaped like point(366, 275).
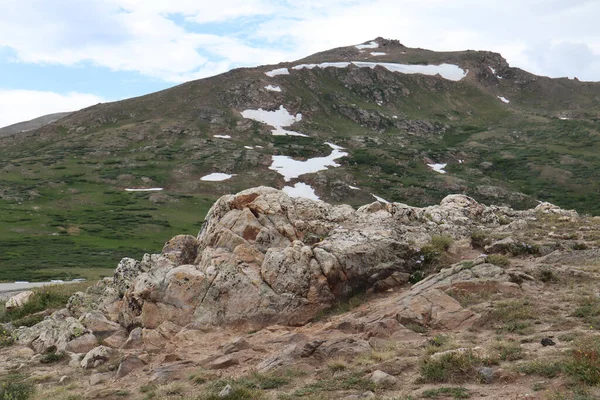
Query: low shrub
point(498, 259)
point(451, 367)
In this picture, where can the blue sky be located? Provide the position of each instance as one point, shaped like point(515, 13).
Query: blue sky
point(62, 55)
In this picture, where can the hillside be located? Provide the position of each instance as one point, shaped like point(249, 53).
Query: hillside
point(379, 120)
point(32, 124)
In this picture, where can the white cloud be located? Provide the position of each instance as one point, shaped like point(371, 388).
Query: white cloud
point(177, 40)
point(23, 105)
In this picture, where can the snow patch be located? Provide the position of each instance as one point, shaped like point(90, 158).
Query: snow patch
point(273, 88)
point(370, 45)
point(290, 168)
point(381, 199)
point(448, 71)
point(301, 190)
point(342, 64)
point(564, 118)
point(248, 147)
point(216, 177)
point(144, 190)
point(222, 136)
point(438, 167)
point(279, 71)
point(277, 119)
point(504, 99)
point(375, 53)
point(353, 187)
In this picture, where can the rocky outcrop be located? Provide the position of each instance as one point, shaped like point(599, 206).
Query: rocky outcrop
point(265, 258)
point(19, 300)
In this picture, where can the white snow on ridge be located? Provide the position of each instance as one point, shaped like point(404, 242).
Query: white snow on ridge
point(222, 136)
point(248, 147)
point(493, 70)
point(273, 88)
point(381, 199)
point(504, 99)
point(370, 45)
point(290, 168)
point(277, 119)
point(353, 187)
point(279, 71)
point(144, 190)
point(438, 167)
point(448, 71)
point(216, 177)
point(341, 64)
point(375, 53)
point(301, 190)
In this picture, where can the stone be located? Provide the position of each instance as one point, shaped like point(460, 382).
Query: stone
point(501, 246)
point(96, 357)
point(223, 363)
point(226, 391)
point(485, 375)
point(182, 249)
point(381, 378)
point(117, 339)
point(99, 378)
point(548, 342)
point(238, 344)
point(82, 344)
point(19, 300)
point(129, 363)
point(97, 322)
point(134, 340)
point(52, 334)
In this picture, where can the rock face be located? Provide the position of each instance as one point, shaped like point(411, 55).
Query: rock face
point(263, 257)
point(53, 333)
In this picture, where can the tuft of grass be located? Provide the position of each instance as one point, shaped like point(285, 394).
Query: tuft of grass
point(15, 388)
point(584, 362)
point(512, 316)
point(342, 307)
point(452, 367)
point(498, 259)
point(52, 357)
point(546, 274)
point(589, 311)
point(441, 242)
point(337, 365)
point(445, 392)
point(545, 368)
point(349, 381)
point(507, 351)
point(416, 328)
point(480, 239)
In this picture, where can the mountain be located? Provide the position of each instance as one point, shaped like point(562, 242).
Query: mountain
point(32, 124)
point(345, 125)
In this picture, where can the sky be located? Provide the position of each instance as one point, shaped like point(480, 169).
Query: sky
point(63, 55)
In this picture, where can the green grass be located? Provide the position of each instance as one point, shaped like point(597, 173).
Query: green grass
point(511, 316)
point(589, 311)
point(445, 392)
point(46, 298)
point(498, 259)
point(15, 387)
point(454, 367)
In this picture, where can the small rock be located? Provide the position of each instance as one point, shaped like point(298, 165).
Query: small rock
point(226, 391)
point(19, 300)
point(548, 342)
point(381, 378)
point(96, 357)
point(96, 379)
point(129, 364)
point(82, 344)
point(237, 345)
point(63, 379)
point(223, 362)
point(116, 340)
point(485, 374)
point(134, 340)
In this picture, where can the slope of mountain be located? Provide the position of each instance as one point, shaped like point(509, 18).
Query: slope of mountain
point(32, 124)
point(347, 125)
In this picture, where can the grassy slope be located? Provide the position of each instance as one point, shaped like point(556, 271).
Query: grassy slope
point(65, 214)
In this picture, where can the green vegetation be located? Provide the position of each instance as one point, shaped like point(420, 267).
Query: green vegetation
point(480, 239)
point(52, 357)
point(45, 300)
point(451, 367)
point(498, 259)
point(589, 311)
point(445, 392)
point(15, 387)
point(511, 316)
